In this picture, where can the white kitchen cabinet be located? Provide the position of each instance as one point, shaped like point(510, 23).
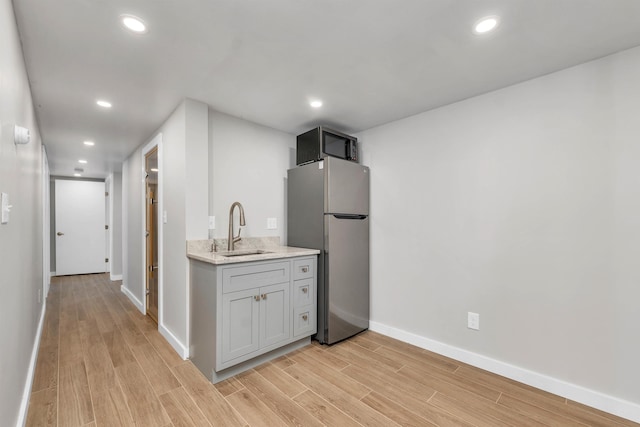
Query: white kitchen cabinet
point(246, 313)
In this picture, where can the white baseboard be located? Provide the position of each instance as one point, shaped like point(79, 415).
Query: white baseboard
point(133, 298)
point(115, 277)
point(175, 342)
point(180, 348)
point(26, 394)
point(595, 399)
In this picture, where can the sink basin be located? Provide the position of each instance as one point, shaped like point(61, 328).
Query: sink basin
point(243, 253)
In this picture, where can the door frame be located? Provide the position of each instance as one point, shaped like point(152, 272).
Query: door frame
point(155, 142)
point(107, 222)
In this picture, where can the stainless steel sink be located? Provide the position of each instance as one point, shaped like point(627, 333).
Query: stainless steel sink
point(242, 253)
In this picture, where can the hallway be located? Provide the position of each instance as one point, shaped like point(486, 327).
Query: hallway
point(101, 362)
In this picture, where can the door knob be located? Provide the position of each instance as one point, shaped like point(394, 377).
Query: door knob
point(60, 234)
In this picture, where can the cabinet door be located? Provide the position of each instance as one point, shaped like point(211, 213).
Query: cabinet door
point(275, 325)
point(240, 323)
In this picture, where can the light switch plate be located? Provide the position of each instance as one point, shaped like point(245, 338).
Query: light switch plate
point(473, 321)
point(272, 223)
point(212, 223)
point(5, 207)
point(164, 217)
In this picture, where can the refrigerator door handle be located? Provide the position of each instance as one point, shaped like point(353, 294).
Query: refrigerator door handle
point(350, 216)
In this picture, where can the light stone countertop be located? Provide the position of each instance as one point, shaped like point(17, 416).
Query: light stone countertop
point(201, 250)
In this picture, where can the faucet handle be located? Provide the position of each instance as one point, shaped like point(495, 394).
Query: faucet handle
point(238, 238)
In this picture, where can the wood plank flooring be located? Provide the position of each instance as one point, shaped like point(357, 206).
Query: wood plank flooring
point(101, 363)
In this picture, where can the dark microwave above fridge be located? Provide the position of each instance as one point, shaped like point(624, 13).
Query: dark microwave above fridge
point(321, 142)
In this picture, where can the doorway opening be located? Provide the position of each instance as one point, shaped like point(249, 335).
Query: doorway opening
point(151, 233)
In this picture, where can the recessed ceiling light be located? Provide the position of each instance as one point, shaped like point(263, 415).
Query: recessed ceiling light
point(316, 103)
point(82, 161)
point(486, 24)
point(133, 23)
point(103, 103)
point(89, 143)
point(77, 174)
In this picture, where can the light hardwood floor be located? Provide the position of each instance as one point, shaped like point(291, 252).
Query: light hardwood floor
point(101, 363)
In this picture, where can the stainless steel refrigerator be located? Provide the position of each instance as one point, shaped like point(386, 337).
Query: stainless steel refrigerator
point(328, 209)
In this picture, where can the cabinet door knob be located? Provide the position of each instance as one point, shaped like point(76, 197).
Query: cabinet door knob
point(305, 290)
point(305, 269)
point(305, 317)
point(264, 296)
point(257, 297)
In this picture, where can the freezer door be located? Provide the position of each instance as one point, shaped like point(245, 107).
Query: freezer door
point(346, 276)
point(346, 187)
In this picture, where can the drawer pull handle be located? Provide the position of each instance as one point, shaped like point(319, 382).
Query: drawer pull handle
point(305, 317)
point(305, 290)
point(257, 297)
point(305, 269)
point(264, 296)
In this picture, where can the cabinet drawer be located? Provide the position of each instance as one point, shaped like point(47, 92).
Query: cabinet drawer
point(303, 269)
point(303, 292)
point(253, 276)
point(304, 321)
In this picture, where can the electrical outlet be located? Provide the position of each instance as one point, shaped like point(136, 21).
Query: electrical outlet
point(212, 223)
point(272, 223)
point(473, 321)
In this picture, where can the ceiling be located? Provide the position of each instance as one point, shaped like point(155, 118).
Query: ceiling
point(369, 61)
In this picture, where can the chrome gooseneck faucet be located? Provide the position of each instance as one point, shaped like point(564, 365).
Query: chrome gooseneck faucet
point(232, 240)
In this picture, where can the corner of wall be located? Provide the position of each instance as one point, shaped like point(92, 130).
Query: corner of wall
point(179, 347)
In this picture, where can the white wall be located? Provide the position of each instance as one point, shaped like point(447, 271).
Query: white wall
point(184, 199)
point(132, 260)
point(114, 183)
point(196, 188)
point(21, 240)
point(182, 140)
point(174, 261)
point(522, 205)
point(248, 163)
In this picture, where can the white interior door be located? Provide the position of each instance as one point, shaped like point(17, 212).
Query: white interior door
point(80, 221)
